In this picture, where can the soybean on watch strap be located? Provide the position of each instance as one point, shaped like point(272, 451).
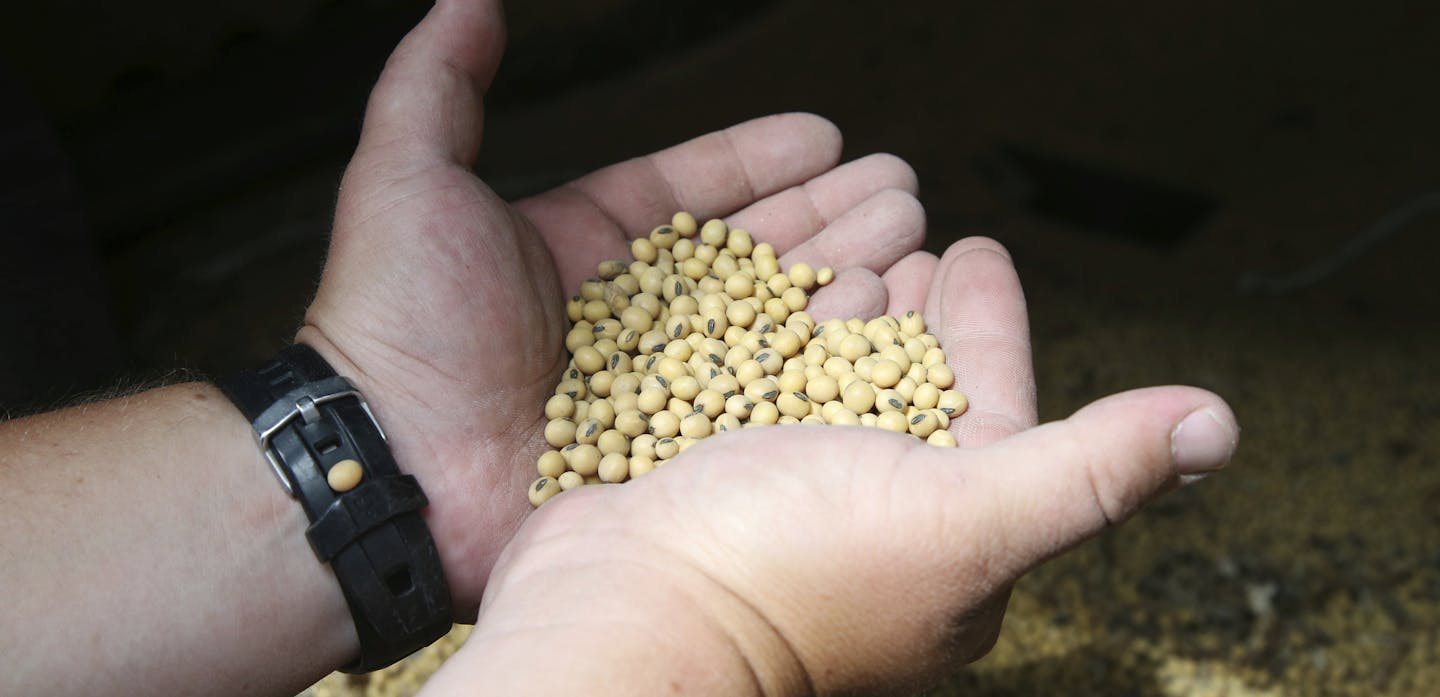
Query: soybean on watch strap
point(307, 419)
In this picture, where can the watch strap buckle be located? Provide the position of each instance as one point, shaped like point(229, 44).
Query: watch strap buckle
point(303, 403)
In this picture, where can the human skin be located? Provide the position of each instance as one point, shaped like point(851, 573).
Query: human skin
point(148, 549)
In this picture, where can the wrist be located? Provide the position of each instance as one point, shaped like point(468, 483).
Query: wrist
point(267, 539)
point(473, 507)
point(331, 456)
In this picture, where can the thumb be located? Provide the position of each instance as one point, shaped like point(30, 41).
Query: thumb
point(427, 106)
point(1050, 488)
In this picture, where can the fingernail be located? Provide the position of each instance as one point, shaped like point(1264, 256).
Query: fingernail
point(1202, 443)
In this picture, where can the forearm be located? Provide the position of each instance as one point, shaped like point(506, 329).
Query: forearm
point(149, 550)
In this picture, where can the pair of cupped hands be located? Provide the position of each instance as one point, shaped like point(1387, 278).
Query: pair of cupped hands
point(845, 558)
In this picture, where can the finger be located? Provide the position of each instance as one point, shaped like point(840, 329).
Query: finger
point(708, 176)
point(426, 107)
point(854, 293)
point(882, 230)
point(977, 311)
point(907, 282)
point(798, 213)
point(1048, 489)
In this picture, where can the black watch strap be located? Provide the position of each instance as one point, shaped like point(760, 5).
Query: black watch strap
point(308, 420)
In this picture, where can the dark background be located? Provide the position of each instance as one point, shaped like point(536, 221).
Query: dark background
point(169, 170)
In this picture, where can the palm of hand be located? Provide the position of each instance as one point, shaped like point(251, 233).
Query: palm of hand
point(817, 530)
point(814, 527)
point(455, 338)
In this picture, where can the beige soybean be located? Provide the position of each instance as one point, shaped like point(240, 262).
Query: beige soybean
point(853, 347)
point(714, 233)
point(727, 422)
point(739, 242)
point(641, 466)
point(886, 374)
point(679, 407)
point(739, 406)
point(584, 459)
point(551, 464)
point(602, 411)
point(794, 404)
point(890, 400)
point(570, 480)
point(696, 425)
point(822, 389)
point(683, 249)
point(710, 403)
point(912, 323)
point(792, 381)
point(906, 388)
point(952, 403)
point(926, 396)
point(575, 389)
point(923, 424)
point(613, 468)
point(740, 314)
point(893, 421)
point(684, 223)
point(795, 300)
point(664, 424)
point(896, 355)
point(627, 383)
point(632, 422)
point(765, 413)
point(666, 448)
point(915, 349)
point(560, 432)
point(859, 397)
point(344, 475)
point(559, 406)
point(643, 445)
point(685, 387)
point(613, 441)
point(942, 439)
point(802, 276)
point(601, 382)
point(542, 489)
point(762, 390)
point(940, 376)
point(588, 432)
point(786, 342)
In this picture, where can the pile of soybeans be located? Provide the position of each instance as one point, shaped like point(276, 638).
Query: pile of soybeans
point(703, 333)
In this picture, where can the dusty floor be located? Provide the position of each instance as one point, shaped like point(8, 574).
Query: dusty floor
point(1312, 566)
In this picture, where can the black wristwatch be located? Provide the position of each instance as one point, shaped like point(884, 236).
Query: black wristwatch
point(330, 453)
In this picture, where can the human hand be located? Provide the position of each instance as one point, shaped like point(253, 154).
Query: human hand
point(796, 560)
point(443, 303)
